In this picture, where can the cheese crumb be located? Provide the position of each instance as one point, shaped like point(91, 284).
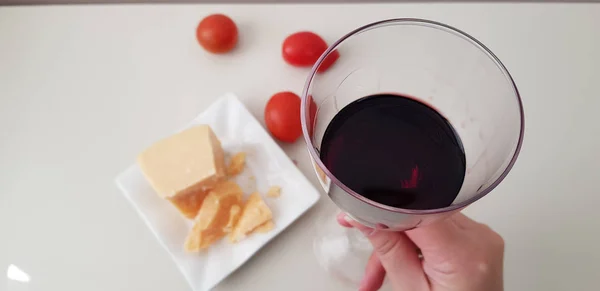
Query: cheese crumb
point(236, 166)
point(274, 192)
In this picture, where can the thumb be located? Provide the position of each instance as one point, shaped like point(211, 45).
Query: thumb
point(398, 256)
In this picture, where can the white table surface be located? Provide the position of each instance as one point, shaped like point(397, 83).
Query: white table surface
point(84, 89)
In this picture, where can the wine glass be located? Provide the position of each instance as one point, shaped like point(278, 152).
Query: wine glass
point(438, 65)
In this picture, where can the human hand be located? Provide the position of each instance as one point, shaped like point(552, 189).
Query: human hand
point(458, 254)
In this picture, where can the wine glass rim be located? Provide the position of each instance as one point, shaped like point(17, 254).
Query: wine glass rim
point(421, 22)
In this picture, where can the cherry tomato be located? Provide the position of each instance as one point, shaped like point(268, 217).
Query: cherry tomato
point(303, 49)
point(328, 61)
point(282, 116)
point(217, 33)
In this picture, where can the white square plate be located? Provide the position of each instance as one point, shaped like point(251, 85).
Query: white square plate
point(266, 165)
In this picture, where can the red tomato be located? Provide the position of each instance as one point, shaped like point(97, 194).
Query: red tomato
point(217, 33)
point(328, 61)
point(282, 116)
point(303, 49)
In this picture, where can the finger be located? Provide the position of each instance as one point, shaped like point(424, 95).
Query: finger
point(398, 256)
point(445, 244)
point(459, 245)
point(342, 221)
point(441, 236)
point(374, 275)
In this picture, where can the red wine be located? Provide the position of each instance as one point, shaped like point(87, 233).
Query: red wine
point(396, 151)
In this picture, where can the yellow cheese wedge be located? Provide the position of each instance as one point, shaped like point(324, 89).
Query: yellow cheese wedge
point(213, 216)
point(237, 163)
point(184, 166)
point(255, 213)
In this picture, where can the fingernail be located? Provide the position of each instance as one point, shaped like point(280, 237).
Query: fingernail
point(367, 231)
point(348, 219)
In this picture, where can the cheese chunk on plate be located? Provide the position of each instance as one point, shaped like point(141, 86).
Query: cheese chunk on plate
point(183, 167)
point(265, 227)
point(254, 214)
point(234, 216)
point(213, 216)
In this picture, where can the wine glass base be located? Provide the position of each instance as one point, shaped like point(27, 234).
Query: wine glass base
point(342, 252)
